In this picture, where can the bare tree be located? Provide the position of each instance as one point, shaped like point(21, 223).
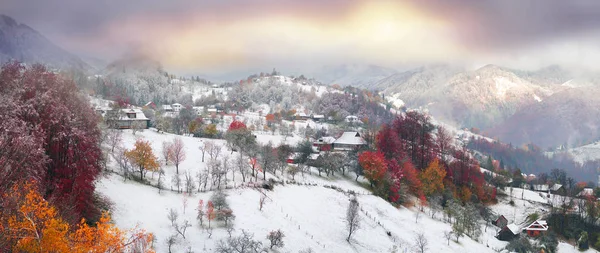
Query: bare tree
point(243, 243)
point(178, 153)
point(182, 228)
point(230, 229)
point(421, 243)
point(226, 168)
point(171, 241)
point(216, 172)
point(114, 138)
point(160, 184)
point(417, 216)
point(240, 163)
point(203, 148)
point(172, 215)
point(167, 149)
point(189, 182)
point(201, 177)
point(262, 200)
point(137, 126)
point(352, 218)
point(448, 236)
point(176, 180)
point(276, 238)
point(209, 230)
point(214, 150)
point(292, 171)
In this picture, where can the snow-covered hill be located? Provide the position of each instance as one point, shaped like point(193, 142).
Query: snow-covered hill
point(311, 212)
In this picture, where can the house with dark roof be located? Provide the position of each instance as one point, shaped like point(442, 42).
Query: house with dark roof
point(500, 222)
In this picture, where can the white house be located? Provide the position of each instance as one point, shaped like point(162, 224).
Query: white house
point(177, 107)
point(167, 108)
point(352, 119)
point(349, 141)
point(198, 109)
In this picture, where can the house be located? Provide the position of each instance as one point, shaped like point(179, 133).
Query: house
point(150, 105)
point(293, 158)
point(508, 232)
point(558, 189)
point(349, 141)
point(324, 143)
point(301, 116)
point(318, 117)
point(586, 192)
point(352, 119)
point(536, 228)
point(198, 110)
point(167, 108)
point(500, 222)
point(540, 187)
point(177, 107)
point(131, 118)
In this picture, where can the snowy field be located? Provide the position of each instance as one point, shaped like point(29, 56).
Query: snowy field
point(312, 215)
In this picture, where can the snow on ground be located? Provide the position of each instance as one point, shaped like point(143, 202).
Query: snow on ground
point(586, 153)
point(310, 214)
point(564, 247)
point(523, 207)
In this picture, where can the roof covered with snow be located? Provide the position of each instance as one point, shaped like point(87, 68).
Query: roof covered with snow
point(586, 192)
point(513, 228)
point(538, 225)
point(325, 140)
point(139, 115)
point(350, 138)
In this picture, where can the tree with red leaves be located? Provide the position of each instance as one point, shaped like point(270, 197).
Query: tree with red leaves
point(49, 133)
point(374, 166)
point(236, 125)
point(412, 179)
point(210, 212)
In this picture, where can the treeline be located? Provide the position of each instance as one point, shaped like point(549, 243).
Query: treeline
point(532, 160)
point(50, 157)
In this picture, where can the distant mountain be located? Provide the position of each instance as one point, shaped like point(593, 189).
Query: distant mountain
point(480, 98)
point(356, 75)
point(22, 43)
point(569, 117)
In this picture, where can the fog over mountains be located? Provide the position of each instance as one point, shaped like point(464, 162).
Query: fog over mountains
point(549, 107)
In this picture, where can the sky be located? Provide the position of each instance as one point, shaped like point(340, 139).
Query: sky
point(234, 35)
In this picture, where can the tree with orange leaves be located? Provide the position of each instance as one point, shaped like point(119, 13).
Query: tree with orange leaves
point(432, 178)
point(36, 227)
point(143, 157)
point(374, 165)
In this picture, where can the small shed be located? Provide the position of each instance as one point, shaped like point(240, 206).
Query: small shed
point(500, 222)
point(508, 232)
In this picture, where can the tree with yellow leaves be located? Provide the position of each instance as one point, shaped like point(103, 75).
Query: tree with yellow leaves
point(432, 178)
point(143, 157)
point(33, 225)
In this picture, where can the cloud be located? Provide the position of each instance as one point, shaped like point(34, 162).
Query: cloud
point(233, 35)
